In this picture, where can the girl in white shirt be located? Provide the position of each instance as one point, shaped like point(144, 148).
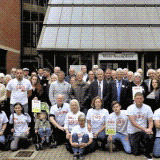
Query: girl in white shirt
point(20, 122)
point(96, 118)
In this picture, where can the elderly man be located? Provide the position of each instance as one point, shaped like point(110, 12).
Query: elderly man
point(26, 73)
point(59, 87)
point(13, 72)
point(125, 72)
point(71, 74)
point(57, 117)
point(151, 74)
point(84, 71)
point(56, 70)
point(130, 76)
point(80, 92)
point(119, 89)
point(158, 73)
point(99, 88)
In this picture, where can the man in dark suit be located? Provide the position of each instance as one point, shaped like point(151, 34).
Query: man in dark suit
point(99, 88)
point(151, 73)
point(119, 89)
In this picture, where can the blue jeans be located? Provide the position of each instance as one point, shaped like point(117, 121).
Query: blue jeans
point(2, 139)
point(156, 147)
point(102, 136)
point(44, 132)
point(85, 139)
point(121, 137)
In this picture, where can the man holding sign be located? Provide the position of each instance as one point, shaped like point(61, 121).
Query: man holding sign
point(121, 119)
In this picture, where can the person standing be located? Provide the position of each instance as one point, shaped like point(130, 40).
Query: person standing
point(59, 87)
point(80, 92)
point(18, 90)
point(99, 88)
point(119, 89)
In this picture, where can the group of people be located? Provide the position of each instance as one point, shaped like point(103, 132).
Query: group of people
point(80, 104)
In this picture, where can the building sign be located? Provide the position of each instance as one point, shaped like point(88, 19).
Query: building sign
point(118, 56)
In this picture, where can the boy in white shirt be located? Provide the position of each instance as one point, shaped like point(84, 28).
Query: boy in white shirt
point(121, 126)
point(140, 126)
point(80, 137)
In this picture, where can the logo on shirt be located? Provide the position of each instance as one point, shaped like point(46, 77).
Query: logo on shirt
point(139, 116)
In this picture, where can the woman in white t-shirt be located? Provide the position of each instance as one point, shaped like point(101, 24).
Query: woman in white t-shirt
point(96, 118)
point(20, 125)
point(71, 120)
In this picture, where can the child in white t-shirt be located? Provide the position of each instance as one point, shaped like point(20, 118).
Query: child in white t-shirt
point(20, 125)
point(120, 116)
point(80, 137)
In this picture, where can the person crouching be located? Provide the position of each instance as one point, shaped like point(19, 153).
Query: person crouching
point(81, 138)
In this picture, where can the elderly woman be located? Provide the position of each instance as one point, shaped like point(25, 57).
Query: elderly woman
point(135, 84)
point(71, 119)
point(96, 118)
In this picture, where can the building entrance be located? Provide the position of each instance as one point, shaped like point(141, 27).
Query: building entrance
point(118, 60)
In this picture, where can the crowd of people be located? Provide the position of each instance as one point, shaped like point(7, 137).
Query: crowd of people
point(80, 104)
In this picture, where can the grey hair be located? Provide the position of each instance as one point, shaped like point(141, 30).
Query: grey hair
point(136, 74)
point(150, 70)
point(130, 72)
point(82, 115)
point(74, 101)
point(119, 70)
point(99, 70)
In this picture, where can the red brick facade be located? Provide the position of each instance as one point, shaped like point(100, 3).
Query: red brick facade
point(10, 31)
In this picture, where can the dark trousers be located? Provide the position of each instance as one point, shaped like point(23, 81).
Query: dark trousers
point(59, 136)
point(141, 143)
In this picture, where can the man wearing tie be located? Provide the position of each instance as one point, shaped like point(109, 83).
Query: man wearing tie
point(99, 88)
point(119, 89)
point(151, 74)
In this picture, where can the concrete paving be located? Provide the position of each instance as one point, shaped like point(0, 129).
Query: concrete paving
point(60, 153)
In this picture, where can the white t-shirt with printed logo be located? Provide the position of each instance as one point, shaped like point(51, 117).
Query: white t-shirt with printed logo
point(141, 116)
point(97, 118)
point(121, 121)
point(71, 120)
point(20, 123)
point(60, 113)
point(156, 116)
point(16, 87)
point(81, 131)
point(3, 119)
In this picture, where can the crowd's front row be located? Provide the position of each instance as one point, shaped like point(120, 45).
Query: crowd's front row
point(134, 127)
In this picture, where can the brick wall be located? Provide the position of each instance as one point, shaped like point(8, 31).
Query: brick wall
point(10, 30)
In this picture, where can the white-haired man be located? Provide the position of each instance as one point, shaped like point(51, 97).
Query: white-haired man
point(119, 89)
